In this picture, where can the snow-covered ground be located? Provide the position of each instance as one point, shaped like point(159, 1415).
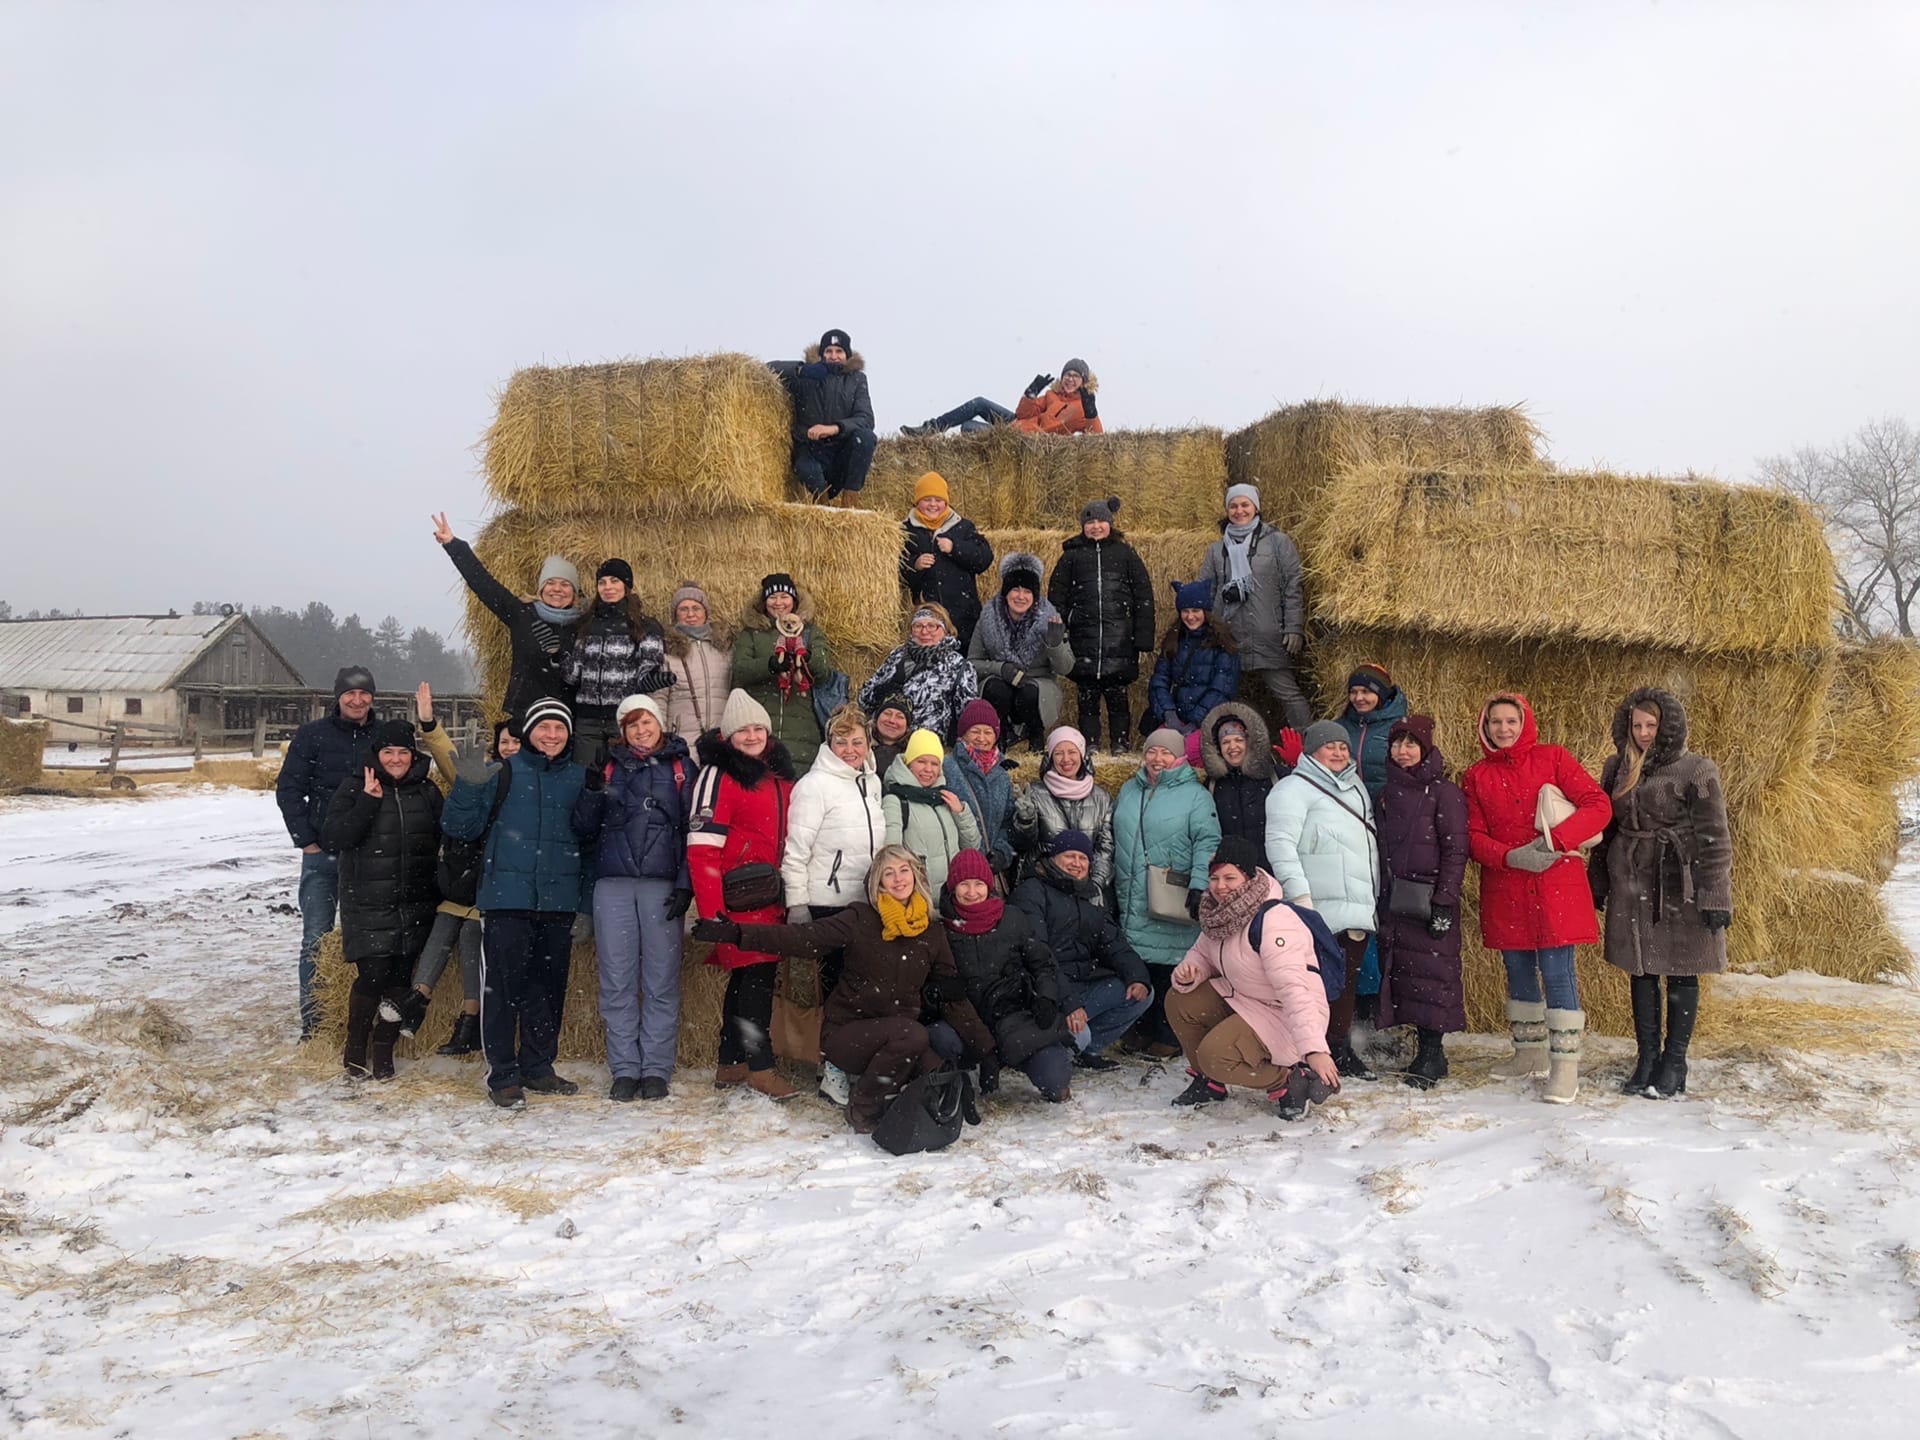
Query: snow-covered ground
point(204, 1235)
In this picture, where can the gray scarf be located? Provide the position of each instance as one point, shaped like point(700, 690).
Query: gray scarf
point(1240, 556)
point(696, 632)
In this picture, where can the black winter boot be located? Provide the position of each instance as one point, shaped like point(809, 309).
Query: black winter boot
point(1683, 1007)
point(918, 432)
point(1302, 1088)
point(1429, 1065)
point(362, 1010)
point(465, 1039)
point(406, 1010)
point(380, 1049)
point(1646, 1033)
point(1201, 1091)
point(1348, 1062)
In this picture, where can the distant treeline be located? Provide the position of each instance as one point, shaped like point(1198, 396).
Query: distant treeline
point(317, 645)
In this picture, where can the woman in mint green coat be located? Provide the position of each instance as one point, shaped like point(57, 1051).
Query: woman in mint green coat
point(1163, 816)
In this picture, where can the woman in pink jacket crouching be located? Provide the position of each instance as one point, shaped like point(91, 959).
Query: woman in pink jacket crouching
point(1247, 1015)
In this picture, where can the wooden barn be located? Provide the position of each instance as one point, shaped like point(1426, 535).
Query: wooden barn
point(163, 677)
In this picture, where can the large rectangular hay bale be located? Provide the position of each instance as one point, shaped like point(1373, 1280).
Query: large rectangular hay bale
point(1002, 479)
point(22, 744)
point(1518, 553)
point(1294, 453)
point(847, 562)
point(699, 434)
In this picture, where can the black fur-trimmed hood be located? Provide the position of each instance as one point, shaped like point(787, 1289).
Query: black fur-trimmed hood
point(855, 362)
point(744, 770)
point(1671, 742)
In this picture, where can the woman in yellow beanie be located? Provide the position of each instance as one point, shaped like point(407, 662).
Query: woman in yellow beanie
point(941, 556)
point(922, 814)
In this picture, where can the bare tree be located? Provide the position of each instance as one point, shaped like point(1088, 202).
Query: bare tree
point(1868, 491)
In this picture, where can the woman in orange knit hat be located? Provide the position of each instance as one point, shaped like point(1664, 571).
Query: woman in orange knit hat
point(941, 556)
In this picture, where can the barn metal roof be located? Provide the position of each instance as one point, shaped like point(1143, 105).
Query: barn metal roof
point(107, 652)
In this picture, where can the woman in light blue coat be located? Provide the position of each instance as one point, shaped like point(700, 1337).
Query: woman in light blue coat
point(1163, 817)
point(1326, 856)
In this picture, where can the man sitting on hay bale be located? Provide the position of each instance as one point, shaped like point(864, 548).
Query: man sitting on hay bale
point(1049, 407)
point(832, 418)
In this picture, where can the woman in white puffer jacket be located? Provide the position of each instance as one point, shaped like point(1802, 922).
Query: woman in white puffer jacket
point(834, 827)
point(1326, 855)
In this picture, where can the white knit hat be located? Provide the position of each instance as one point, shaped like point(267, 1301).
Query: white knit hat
point(639, 702)
point(741, 711)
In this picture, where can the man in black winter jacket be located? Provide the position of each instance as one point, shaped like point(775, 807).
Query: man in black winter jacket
point(1106, 980)
point(832, 417)
point(320, 756)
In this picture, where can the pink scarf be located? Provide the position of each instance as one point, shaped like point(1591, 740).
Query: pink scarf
point(1062, 787)
point(985, 759)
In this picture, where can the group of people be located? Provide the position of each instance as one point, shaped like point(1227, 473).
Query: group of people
point(833, 426)
point(1257, 906)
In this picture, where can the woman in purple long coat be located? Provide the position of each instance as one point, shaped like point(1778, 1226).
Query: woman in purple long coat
point(1423, 839)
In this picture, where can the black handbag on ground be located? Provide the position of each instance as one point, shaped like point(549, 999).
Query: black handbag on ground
point(1410, 899)
point(927, 1114)
point(751, 887)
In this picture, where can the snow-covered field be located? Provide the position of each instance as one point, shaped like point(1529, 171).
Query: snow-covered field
point(203, 1234)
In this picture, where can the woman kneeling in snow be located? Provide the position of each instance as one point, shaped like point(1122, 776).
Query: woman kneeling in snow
point(1246, 1013)
point(870, 1025)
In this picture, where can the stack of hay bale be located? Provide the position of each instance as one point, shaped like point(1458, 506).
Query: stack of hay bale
point(1437, 544)
point(22, 744)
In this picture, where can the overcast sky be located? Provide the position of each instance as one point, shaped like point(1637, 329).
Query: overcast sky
point(263, 266)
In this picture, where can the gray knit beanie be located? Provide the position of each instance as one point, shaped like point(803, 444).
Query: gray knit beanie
point(1323, 732)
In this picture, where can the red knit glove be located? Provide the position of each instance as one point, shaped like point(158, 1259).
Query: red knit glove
point(1288, 750)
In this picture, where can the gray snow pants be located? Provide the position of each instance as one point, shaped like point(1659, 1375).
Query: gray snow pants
point(639, 954)
point(1283, 689)
point(449, 931)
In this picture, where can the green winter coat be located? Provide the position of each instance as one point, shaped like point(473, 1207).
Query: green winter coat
point(794, 723)
point(1173, 824)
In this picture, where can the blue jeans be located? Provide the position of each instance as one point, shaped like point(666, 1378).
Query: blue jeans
point(835, 465)
point(319, 900)
point(639, 949)
point(1110, 1014)
point(979, 413)
point(1527, 968)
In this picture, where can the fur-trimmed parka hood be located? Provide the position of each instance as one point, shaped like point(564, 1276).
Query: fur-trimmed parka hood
point(746, 771)
point(1259, 762)
point(855, 363)
point(1670, 742)
point(1091, 385)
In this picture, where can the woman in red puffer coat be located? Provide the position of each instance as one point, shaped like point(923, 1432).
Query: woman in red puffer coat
point(1534, 902)
point(741, 798)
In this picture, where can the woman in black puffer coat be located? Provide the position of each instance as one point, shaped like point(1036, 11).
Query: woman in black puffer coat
point(1010, 978)
point(1101, 589)
point(385, 826)
point(621, 650)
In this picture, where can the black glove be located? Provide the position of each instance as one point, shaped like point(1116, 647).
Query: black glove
point(1044, 1011)
point(1716, 919)
point(1087, 406)
point(1193, 903)
point(596, 778)
point(1040, 382)
point(950, 989)
point(990, 1075)
point(778, 661)
point(1012, 674)
point(677, 903)
point(1440, 921)
point(717, 932)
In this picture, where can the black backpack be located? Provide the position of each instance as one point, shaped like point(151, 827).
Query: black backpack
point(927, 1114)
point(462, 861)
point(1332, 960)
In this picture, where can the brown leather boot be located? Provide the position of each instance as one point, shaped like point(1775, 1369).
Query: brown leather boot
point(770, 1083)
point(725, 1077)
point(362, 1010)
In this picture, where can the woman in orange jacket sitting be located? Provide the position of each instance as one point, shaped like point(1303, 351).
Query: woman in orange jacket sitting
point(1050, 407)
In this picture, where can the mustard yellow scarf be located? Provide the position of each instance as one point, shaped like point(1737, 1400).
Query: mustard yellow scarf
point(898, 920)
